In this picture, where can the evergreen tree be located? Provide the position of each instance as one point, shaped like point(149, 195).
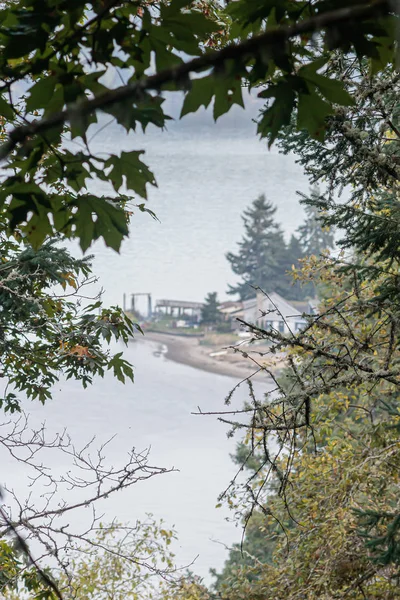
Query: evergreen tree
point(354, 551)
point(313, 236)
point(262, 257)
point(210, 313)
point(294, 254)
point(294, 251)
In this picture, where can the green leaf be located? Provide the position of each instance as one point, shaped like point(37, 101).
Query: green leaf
point(100, 217)
point(40, 94)
point(227, 93)
point(314, 66)
point(200, 94)
point(79, 123)
point(56, 102)
point(121, 368)
point(129, 167)
point(191, 26)
point(38, 228)
point(332, 89)
point(164, 58)
point(85, 224)
point(311, 114)
point(385, 46)
point(148, 110)
point(279, 114)
point(6, 109)
point(246, 12)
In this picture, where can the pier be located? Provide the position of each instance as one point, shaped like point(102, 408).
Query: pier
point(179, 308)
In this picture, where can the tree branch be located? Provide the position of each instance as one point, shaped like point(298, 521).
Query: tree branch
point(272, 38)
point(25, 549)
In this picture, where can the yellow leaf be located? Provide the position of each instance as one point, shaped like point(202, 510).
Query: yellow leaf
point(80, 351)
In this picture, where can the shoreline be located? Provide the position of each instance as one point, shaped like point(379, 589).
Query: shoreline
point(188, 351)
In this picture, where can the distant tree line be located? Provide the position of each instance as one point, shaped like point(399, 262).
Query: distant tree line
point(264, 259)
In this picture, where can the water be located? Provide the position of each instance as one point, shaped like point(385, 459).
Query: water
point(154, 412)
point(207, 177)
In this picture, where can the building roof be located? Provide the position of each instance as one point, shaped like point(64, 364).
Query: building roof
point(179, 304)
point(231, 306)
point(283, 306)
point(272, 303)
point(249, 303)
point(230, 303)
point(314, 303)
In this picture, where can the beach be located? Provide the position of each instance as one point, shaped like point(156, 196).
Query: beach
point(215, 358)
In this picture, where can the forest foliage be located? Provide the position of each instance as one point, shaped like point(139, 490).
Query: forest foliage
point(264, 259)
point(322, 451)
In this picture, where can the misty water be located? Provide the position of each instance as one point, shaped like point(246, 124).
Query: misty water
point(206, 177)
point(207, 174)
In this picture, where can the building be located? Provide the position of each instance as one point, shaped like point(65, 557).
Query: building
point(271, 311)
point(179, 309)
point(231, 309)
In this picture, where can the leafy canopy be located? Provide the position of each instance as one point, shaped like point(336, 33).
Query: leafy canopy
point(265, 261)
point(52, 88)
point(322, 450)
point(45, 332)
point(210, 313)
point(54, 57)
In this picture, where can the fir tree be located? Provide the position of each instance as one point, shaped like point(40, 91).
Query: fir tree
point(313, 236)
point(294, 254)
point(294, 251)
point(262, 257)
point(210, 313)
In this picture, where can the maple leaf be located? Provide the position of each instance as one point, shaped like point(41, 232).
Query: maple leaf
point(80, 351)
point(70, 279)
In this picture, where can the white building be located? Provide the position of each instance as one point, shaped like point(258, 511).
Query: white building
point(271, 311)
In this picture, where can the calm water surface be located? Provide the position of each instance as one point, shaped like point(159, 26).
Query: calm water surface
point(206, 177)
point(154, 412)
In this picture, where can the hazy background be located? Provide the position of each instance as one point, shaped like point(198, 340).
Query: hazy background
point(207, 174)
